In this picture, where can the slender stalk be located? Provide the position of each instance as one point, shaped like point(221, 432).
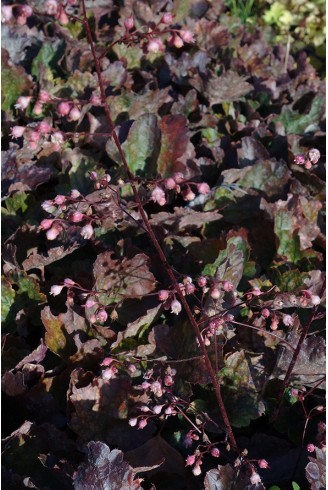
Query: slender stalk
point(216, 383)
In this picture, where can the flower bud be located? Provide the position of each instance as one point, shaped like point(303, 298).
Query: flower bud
point(133, 422)
point(155, 46)
point(25, 10)
point(74, 114)
point(190, 460)
point(101, 315)
point(129, 23)
point(158, 195)
point(176, 307)
point(63, 108)
point(76, 217)
point(87, 231)
point(263, 463)
point(46, 224)
point(142, 423)
point(95, 99)
point(313, 155)
point(6, 13)
point(163, 295)
point(203, 188)
point(178, 177)
point(215, 452)
point(188, 194)
point(60, 199)
point(190, 288)
point(38, 108)
point(177, 42)
point(227, 286)
point(215, 293)
point(265, 313)
point(255, 478)
point(202, 281)
point(167, 18)
point(310, 448)
point(63, 19)
point(299, 159)
point(44, 96)
point(44, 127)
point(17, 131)
point(22, 102)
point(53, 233)
point(90, 303)
point(187, 36)
point(170, 183)
point(55, 290)
point(197, 470)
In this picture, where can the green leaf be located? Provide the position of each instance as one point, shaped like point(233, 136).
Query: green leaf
point(174, 145)
point(289, 242)
point(17, 201)
point(8, 298)
point(14, 83)
point(46, 61)
point(295, 486)
point(142, 145)
point(274, 487)
point(292, 280)
point(296, 123)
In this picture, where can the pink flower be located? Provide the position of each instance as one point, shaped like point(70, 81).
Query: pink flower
point(75, 194)
point(87, 231)
point(169, 410)
point(188, 194)
point(46, 224)
point(155, 45)
point(109, 373)
point(44, 127)
point(255, 478)
point(215, 293)
point(202, 281)
point(17, 131)
point(157, 409)
point(265, 313)
point(168, 380)
point(170, 183)
point(299, 159)
point(313, 155)
point(63, 19)
point(158, 195)
point(22, 102)
point(142, 423)
point(75, 114)
point(34, 136)
point(25, 10)
point(156, 388)
point(76, 217)
point(187, 36)
point(294, 392)
point(21, 20)
point(107, 361)
point(95, 99)
point(263, 463)
point(190, 288)
point(57, 139)
point(315, 300)
point(256, 292)
point(55, 290)
point(63, 108)
point(197, 469)
point(215, 452)
point(178, 177)
point(68, 282)
point(48, 206)
point(6, 13)
point(101, 315)
point(163, 295)
point(90, 303)
point(51, 7)
point(167, 18)
point(132, 368)
point(203, 188)
point(287, 320)
point(129, 23)
point(176, 307)
point(53, 233)
point(310, 448)
point(227, 286)
point(177, 42)
point(37, 109)
point(190, 460)
point(133, 422)
point(44, 96)
point(60, 199)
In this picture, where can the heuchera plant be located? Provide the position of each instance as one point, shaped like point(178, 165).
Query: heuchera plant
point(163, 279)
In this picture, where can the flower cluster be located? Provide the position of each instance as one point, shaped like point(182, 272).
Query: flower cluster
point(309, 159)
point(169, 297)
point(179, 185)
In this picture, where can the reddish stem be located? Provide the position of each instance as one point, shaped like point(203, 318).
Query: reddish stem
point(216, 383)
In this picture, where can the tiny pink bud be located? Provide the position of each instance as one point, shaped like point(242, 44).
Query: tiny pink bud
point(190, 460)
point(93, 319)
point(76, 217)
point(308, 164)
point(158, 195)
point(25, 10)
point(215, 293)
point(107, 361)
point(22, 102)
point(90, 303)
point(132, 368)
point(203, 188)
point(157, 409)
point(129, 23)
point(310, 448)
point(178, 177)
point(197, 470)
point(187, 36)
point(315, 300)
point(190, 288)
point(109, 373)
point(101, 315)
point(299, 159)
point(163, 295)
point(265, 313)
point(188, 194)
point(60, 199)
point(227, 286)
point(51, 7)
point(142, 423)
point(256, 292)
point(177, 41)
point(202, 281)
point(44, 127)
point(313, 155)
point(46, 224)
point(170, 183)
point(168, 380)
point(63, 108)
point(215, 452)
point(274, 324)
point(95, 99)
point(287, 320)
point(44, 96)
point(167, 18)
point(17, 131)
point(255, 478)
point(57, 137)
point(53, 233)
point(294, 392)
point(75, 114)
point(176, 307)
point(263, 463)
point(6, 13)
point(37, 109)
point(63, 18)
point(169, 410)
point(133, 422)
point(145, 385)
point(144, 408)
point(75, 194)
point(87, 231)
point(155, 45)
point(55, 290)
